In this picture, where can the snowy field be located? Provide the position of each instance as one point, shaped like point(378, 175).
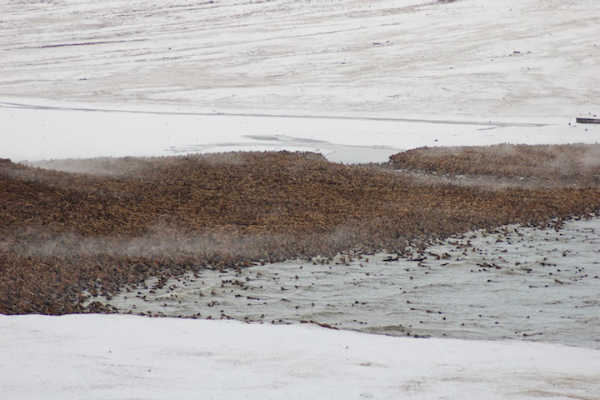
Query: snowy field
point(124, 357)
point(355, 80)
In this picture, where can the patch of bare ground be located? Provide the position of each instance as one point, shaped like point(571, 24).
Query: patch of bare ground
point(67, 236)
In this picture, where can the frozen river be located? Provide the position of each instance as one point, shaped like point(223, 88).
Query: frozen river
point(517, 283)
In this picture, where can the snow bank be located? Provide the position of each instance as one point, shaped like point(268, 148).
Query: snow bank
point(118, 357)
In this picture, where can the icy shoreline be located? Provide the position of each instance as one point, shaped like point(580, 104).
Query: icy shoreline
point(518, 283)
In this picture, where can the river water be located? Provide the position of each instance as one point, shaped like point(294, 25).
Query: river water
point(517, 283)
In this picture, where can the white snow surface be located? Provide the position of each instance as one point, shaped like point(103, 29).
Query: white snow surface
point(355, 80)
point(126, 357)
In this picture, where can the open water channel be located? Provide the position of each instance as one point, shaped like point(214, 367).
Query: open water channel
point(515, 283)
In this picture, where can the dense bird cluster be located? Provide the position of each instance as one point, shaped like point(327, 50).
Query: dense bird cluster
point(68, 236)
point(547, 165)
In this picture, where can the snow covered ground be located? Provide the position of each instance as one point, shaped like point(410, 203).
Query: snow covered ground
point(467, 59)
point(356, 80)
point(124, 357)
point(181, 75)
point(38, 134)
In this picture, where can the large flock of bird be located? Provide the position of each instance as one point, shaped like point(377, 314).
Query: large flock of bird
point(99, 225)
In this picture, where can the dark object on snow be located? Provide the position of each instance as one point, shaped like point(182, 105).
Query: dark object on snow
point(587, 120)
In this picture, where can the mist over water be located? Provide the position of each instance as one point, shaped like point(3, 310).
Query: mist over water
point(518, 283)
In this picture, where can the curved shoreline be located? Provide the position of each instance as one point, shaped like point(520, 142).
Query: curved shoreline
point(66, 233)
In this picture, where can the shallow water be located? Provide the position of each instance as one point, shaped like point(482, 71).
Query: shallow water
point(517, 283)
